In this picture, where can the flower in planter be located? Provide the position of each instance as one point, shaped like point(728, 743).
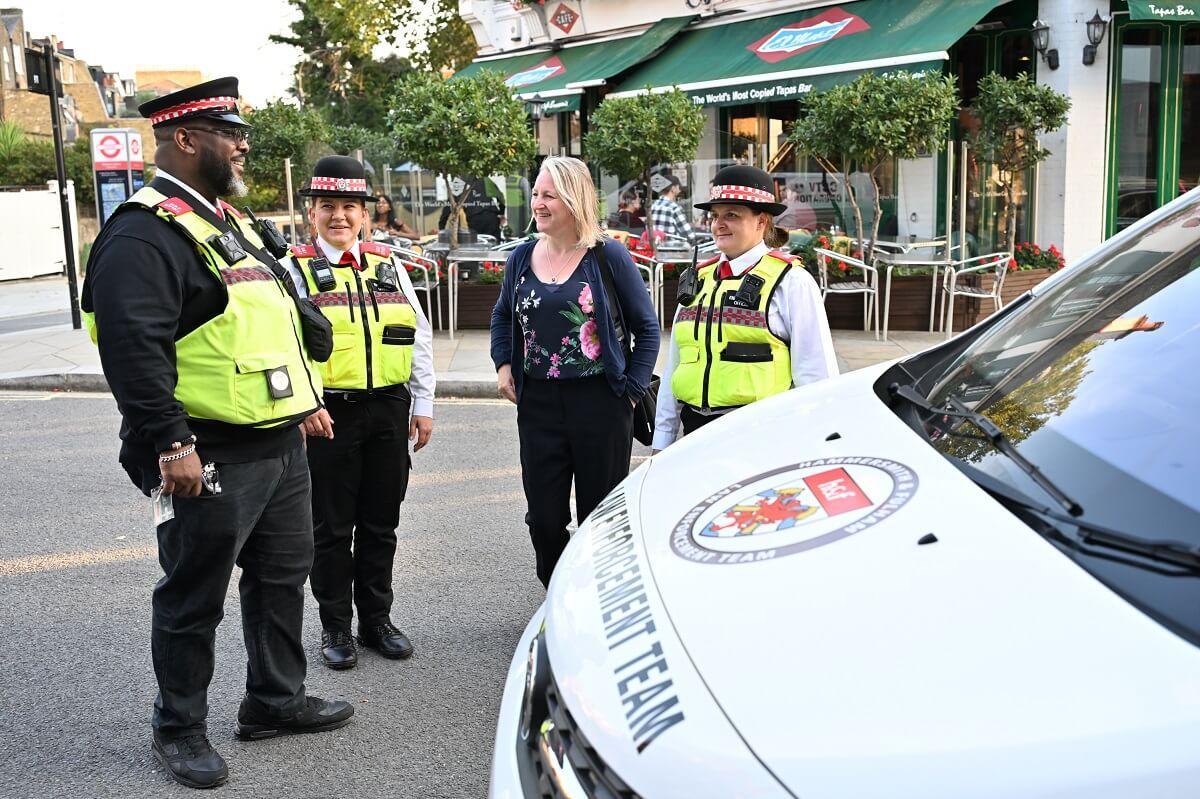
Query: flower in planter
point(1027, 255)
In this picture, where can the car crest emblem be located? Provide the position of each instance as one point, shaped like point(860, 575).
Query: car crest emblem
point(797, 37)
point(793, 509)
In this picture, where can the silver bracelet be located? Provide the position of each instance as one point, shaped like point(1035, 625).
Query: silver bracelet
point(183, 453)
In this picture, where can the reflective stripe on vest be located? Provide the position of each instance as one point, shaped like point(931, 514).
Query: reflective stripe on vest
point(247, 365)
point(373, 331)
point(728, 356)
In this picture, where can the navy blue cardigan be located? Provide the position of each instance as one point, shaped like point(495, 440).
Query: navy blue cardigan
point(628, 376)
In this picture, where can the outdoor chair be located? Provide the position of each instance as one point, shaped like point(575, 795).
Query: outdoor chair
point(868, 286)
point(432, 285)
point(651, 271)
point(993, 265)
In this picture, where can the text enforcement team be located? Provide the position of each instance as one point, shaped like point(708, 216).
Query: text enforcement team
point(268, 395)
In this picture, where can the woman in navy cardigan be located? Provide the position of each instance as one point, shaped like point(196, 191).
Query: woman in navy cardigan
point(558, 358)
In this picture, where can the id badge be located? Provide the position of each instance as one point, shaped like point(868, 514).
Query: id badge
point(164, 506)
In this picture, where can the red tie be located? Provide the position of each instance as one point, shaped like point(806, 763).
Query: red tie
point(724, 271)
point(348, 260)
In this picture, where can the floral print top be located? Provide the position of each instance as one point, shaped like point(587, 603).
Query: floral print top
point(559, 328)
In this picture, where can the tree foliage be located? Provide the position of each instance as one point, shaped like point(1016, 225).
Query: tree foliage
point(629, 135)
point(434, 34)
point(871, 121)
point(283, 131)
point(469, 127)
point(1012, 114)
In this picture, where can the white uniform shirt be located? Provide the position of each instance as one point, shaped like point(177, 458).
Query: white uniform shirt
point(162, 173)
point(421, 382)
point(796, 315)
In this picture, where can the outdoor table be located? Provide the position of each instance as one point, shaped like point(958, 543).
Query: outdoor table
point(904, 258)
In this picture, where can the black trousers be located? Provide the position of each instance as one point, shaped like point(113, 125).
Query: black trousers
point(262, 522)
point(359, 479)
point(692, 420)
point(569, 429)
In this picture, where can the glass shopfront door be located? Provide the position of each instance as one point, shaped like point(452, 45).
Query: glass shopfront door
point(1155, 146)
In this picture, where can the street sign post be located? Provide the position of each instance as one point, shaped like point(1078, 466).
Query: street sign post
point(61, 171)
point(117, 167)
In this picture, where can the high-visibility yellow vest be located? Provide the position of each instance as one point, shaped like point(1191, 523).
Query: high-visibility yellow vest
point(373, 330)
point(247, 365)
point(728, 356)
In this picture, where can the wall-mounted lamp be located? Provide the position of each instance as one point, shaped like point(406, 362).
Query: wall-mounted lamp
point(1041, 43)
point(534, 105)
point(1095, 33)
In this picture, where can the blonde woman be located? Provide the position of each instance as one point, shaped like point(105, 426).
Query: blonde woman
point(559, 359)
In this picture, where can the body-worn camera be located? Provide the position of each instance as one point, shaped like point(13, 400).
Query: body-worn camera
point(749, 292)
point(386, 277)
point(322, 274)
point(227, 246)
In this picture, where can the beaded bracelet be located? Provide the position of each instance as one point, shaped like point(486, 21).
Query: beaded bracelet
point(183, 453)
point(179, 444)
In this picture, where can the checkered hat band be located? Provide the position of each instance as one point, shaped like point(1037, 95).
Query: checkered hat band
point(184, 109)
point(338, 184)
point(746, 193)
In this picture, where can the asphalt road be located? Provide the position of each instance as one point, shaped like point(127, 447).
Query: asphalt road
point(77, 565)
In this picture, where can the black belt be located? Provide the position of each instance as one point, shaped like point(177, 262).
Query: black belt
point(400, 392)
point(711, 411)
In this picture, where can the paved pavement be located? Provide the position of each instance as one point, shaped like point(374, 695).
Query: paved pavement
point(40, 351)
point(78, 563)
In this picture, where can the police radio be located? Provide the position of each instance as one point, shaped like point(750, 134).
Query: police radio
point(322, 274)
point(689, 282)
point(272, 239)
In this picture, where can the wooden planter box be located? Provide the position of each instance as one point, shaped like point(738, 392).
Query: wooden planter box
point(1015, 284)
point(475, 304)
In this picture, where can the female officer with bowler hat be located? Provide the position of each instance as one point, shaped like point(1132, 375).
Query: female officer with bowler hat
point(756, 325)
point(379, 386)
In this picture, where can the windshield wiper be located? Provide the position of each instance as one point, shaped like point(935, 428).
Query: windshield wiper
point(991, 433)
point(1174, 553)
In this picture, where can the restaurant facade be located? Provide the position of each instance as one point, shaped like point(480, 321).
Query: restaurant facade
point(1131, 69)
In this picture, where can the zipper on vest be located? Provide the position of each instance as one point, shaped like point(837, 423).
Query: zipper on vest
point(721, 320)
point(350, 301)
point(708, 345)
point(366, 328)
point(374, 304)
point(699, 313)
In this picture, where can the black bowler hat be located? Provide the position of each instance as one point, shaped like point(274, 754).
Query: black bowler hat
point(338, 176)
point(214, 99)
point(744, 185)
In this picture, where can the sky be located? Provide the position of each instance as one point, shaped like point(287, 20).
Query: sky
point(218, 37)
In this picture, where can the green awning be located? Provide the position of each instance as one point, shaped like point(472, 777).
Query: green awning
point(1175, 11)
point(786, 55)
point(549, 74)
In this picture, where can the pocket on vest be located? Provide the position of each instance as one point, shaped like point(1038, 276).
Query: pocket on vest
point(741, 352)
point(400, 335)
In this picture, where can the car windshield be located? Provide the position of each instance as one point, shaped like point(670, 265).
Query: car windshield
point(1097, 382)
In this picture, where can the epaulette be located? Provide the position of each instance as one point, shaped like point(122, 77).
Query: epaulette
point(304, 251)
point(224, 206)
point(709, 262)
point(784, 255)
point(375, 248)
point(175, 206)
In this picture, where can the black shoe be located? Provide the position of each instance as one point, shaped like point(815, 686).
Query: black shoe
point(337, 648)
point(386, 640)
point(191, 761)
point(317, 715)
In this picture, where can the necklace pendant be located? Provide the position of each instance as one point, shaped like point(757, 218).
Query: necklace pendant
point(554, 279)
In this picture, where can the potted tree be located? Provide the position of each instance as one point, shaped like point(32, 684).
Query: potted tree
point(629, 135)
point(1012, 113)
point(864, 125)
point(467, 127)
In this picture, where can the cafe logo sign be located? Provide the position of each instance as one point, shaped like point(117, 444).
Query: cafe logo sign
point(547, 69)
point(807, 34)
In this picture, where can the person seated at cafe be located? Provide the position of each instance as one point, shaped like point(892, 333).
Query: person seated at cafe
point(666, 214)
point(630, 215)
point(385, 219)
point(798, 215)
point(484, 213)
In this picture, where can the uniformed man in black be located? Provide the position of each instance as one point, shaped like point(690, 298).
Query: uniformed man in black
point(155, 297)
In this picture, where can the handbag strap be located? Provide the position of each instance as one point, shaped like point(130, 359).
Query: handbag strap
point(610, 292)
